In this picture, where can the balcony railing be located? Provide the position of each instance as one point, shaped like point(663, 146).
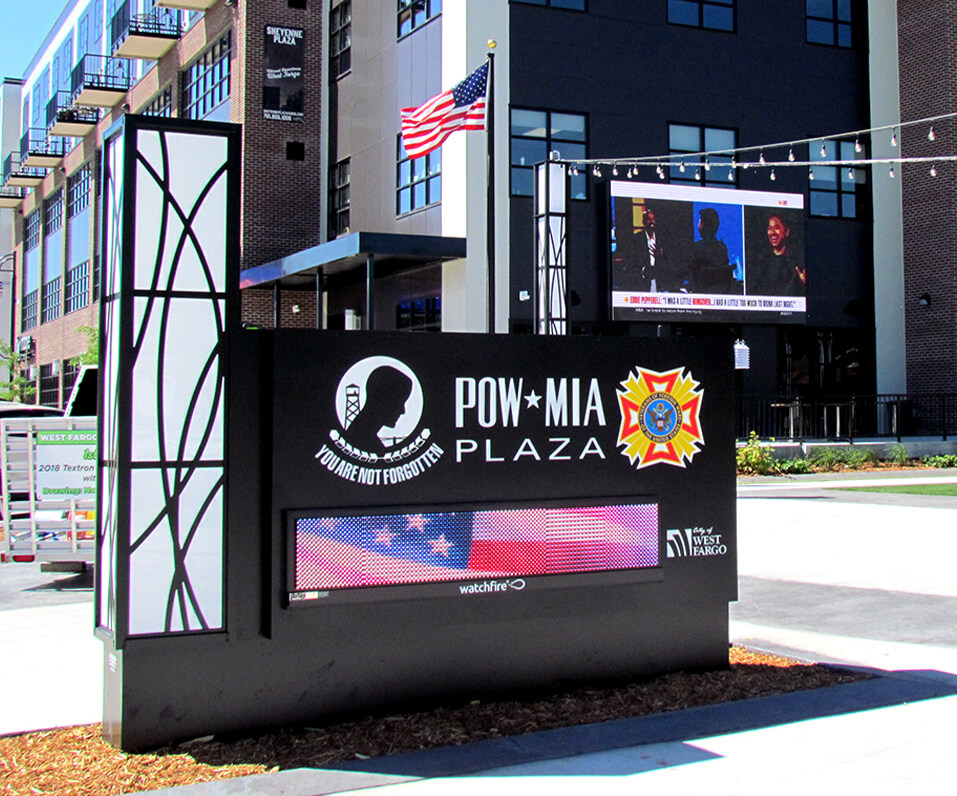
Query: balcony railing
point(16, 175)
point(11, 196)
point(148, 36)
point(847, 417)
point(37, 149)
point(66, 119)
point(100, 80)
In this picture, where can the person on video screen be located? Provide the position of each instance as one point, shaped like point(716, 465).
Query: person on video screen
point(780, 270)
point(650, 255)
point(711, 270)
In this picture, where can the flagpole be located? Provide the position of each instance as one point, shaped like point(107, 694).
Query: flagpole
point(490, 204)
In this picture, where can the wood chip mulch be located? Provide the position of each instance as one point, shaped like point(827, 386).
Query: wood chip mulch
point(75, 761)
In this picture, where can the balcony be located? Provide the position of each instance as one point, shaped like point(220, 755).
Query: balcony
point(17, 175)
point(38, 151)
point(65, 119)
point(189, 5)
point(11, 196)
point(144, 36)
point(101, 81)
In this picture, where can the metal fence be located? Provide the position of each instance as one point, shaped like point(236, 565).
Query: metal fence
point(847, 417)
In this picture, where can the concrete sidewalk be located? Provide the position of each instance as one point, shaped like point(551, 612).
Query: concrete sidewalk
point(823, 577)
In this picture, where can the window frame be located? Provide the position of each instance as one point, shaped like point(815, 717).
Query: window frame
point(702, 7)
point(428, 179)
point(202, 81)
point(579, 193)
point(716, 177)
point(340, 30)
point(433, 9)
point(552, 4)
point(846, 188)
point(834, 22)
point(340, 198)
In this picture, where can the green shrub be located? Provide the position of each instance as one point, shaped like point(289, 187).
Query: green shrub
point(826, 459)
point(793, 466)
point(856, 458)
point(942, 460)
point(898, 455)
point(755, 458)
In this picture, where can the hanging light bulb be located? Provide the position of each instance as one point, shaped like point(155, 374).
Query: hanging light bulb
point(930, 134)
point(857, 145)
point(850, 174)
point(731, 175)
point(761, 159)
point(614, 171)
point(681, 168)
point(791, 155)
point(661, 174)
point(810, 174)
point(630, 174)
point(707, 165)
point(823, 151)
point(773, 175)
point(697, 174)
point(574, 171)
point(933, 171)
point(894, 138)
point(890, 173)
point(596, 171)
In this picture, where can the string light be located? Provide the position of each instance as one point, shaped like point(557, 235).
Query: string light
point(823, 151)
point(661, 174)
point(596, 171)
point(791, 155)
point(731, 175)
point(894, 138)
point(707, 165)
point(681, 168)
point(930, 134)
point(697, 174)
point(890, 172)
point(810, 174)
point(850, 174)
point(933, 171)
point(773, 175)
point(857, 145)
point(761, 159)
point(614, 171)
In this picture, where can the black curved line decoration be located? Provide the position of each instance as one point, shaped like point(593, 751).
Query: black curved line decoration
point(176, 474)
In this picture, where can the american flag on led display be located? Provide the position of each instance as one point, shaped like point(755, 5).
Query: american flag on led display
point(461, 108)
point(348, 552)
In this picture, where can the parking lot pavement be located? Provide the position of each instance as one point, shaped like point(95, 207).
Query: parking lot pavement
point(25, 586)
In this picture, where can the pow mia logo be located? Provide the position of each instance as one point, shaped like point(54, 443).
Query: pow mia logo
point(379, 406)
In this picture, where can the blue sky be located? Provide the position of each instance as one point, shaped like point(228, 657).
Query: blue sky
point(23, 26)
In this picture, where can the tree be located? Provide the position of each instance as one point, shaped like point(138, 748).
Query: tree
point(19, 387)
point(92, 354)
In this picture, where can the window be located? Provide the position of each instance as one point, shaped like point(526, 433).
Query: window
point(161, 104)
point(77, 290)
point(31, 230)
point(30, 313)
point(70, 373)
point(834, 190)
point(78, 192)
point(419, 315)
point(340, 200)
point(829, 22)
point(53, 213)
point(536, 133)
point(206, 81)
point(576, 5)
point(340, 46)
point(714, 14)
point(52, 257)
point(692, 139)
point(419, 181)
point(415, 13)
point(49, 386)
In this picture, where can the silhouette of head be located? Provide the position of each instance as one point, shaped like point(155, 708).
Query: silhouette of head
point(708, 222)
point(387, 391)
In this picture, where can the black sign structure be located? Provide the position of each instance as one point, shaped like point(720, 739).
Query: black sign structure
point(297, 525)
point(283, 83)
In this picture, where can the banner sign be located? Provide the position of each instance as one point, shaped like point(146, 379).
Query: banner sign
point(283, 86)
point(65, 464)
point(466, 457)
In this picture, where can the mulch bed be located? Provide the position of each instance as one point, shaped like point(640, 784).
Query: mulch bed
point(75, 761)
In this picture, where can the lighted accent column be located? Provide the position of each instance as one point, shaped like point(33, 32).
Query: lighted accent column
point(551, 284)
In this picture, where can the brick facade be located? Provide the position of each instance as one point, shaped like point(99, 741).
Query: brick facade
point(927, 43)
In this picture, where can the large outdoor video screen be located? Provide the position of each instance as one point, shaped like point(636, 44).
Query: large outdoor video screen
point(472, 551)
point(706, 254)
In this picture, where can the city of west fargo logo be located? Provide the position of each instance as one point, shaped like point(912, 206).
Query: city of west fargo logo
point(380, 439)
point(660, 417)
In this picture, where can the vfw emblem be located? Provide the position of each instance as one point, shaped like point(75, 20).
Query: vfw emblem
point(660, 417)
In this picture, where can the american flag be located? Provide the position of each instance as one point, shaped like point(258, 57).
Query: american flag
point(461, 108)
point(348, 552)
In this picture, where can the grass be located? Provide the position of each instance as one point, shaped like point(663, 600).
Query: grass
point(946, 490)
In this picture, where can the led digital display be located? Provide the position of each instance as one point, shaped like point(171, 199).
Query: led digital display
point(332, 551)
point(707, 254)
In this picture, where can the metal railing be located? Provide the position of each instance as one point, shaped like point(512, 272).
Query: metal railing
point(846, 417)
point(36, 141)
point(61, 109)
point(101, 72)
point(157, 22)
point(13, 167)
